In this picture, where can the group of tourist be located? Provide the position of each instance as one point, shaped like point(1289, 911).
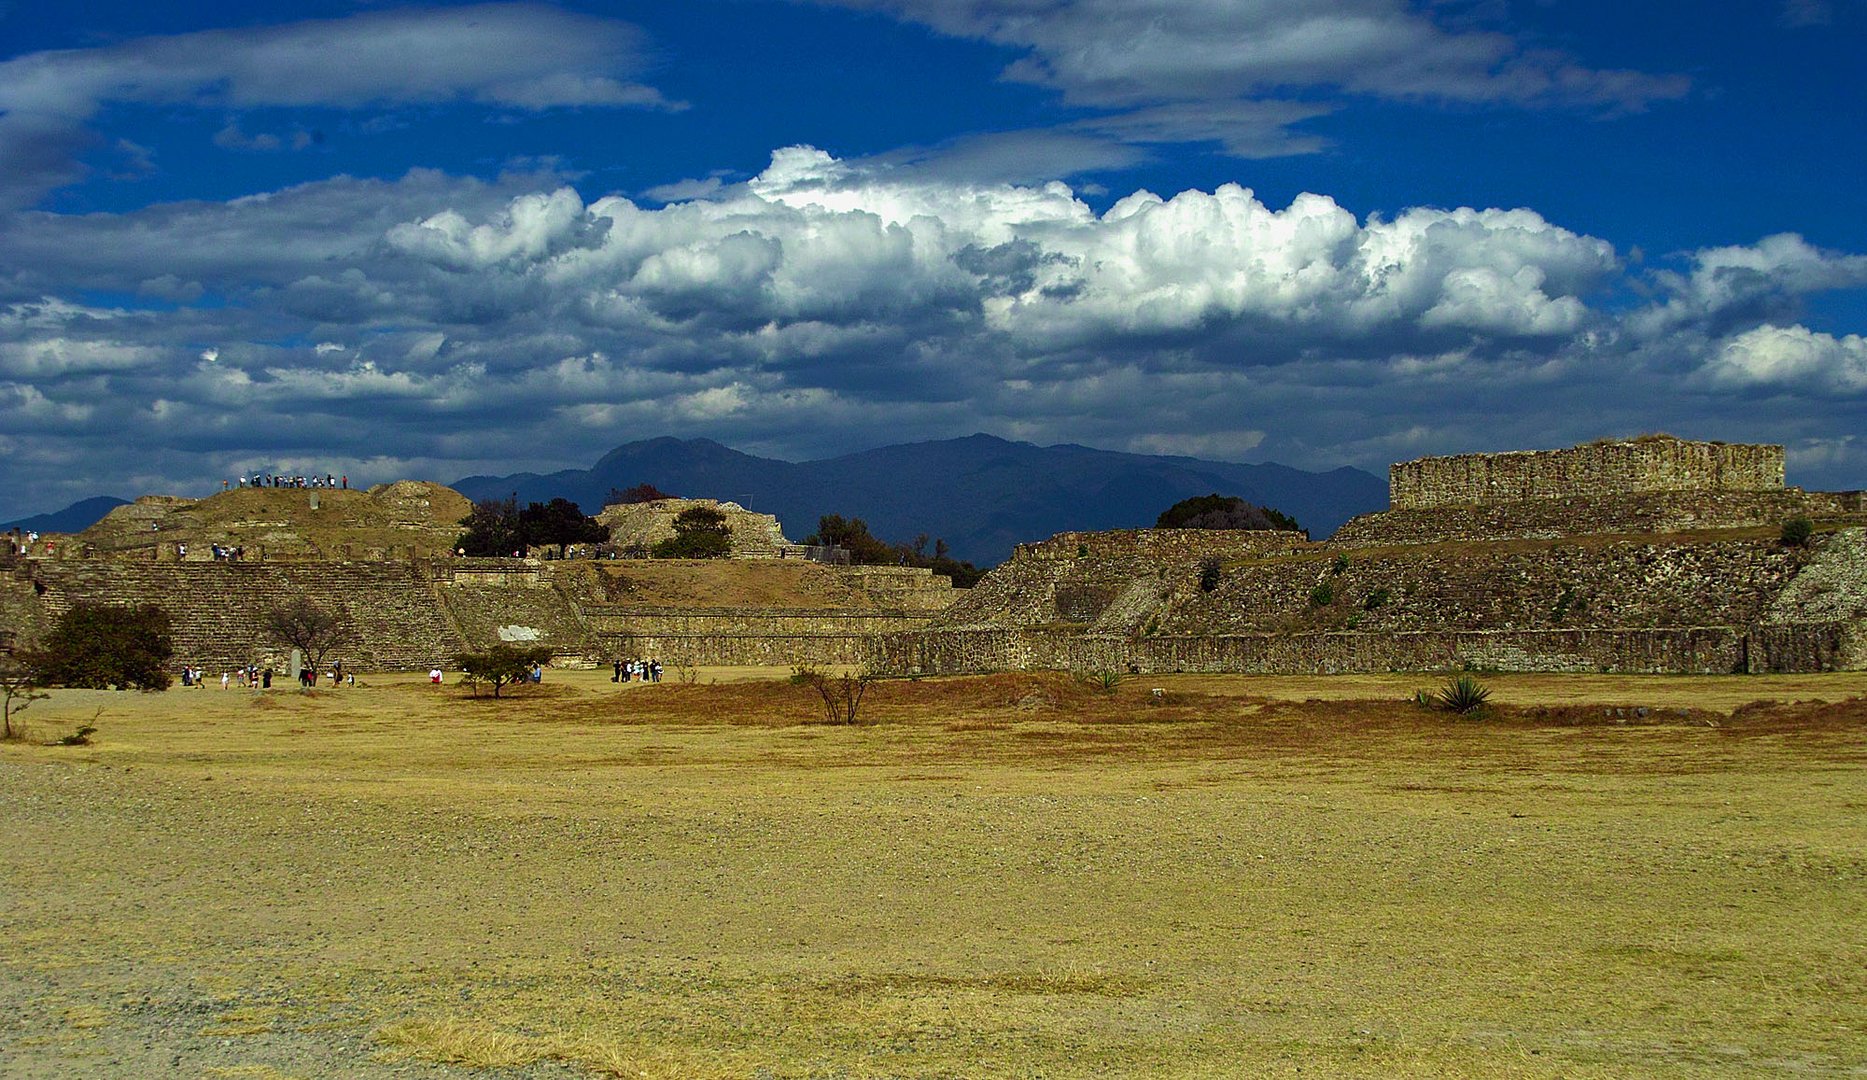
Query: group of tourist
point(280, 480)
point(252, 675)
point(20, 543)
point(255, 677)
point(636, 670)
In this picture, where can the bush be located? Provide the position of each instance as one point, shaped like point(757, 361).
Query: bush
point(500, 665)
point(1321, 596)
point(1103, 680)
point(1797, 531)
point(700, 532)
point(1217, 511)
point(1339, 565)
point(100, 646)
point(1463, 695)
point(1376, 598)
point(1210, 569)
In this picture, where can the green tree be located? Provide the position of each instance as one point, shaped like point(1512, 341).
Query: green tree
point(559, 523)
point(700, 532)
point(492, 528)
point(500, 665)
point(498, 528)
point(853, 536)
point(1217, 511)
point(102, 645)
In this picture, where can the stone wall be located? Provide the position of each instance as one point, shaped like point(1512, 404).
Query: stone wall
point(1709, 602)
point(1657, 512)
point(1163, 545)
point(219, 608)
point(737, 636)
point(1522, 585)
point(1655, 650)
point(1596, 469)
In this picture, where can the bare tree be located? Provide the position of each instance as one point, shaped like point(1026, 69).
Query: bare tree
point(306, 626)
point(19, 687)
point(841, 694)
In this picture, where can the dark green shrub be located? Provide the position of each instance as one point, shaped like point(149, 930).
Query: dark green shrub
point(1463, 695)
point(1376, 598)
point(1210, 568)
point(700, 532)
point(500, 665)
point(1796, 532)
point(100, 646)
point(1321, 596)
point(1339, 565)
point(1223, 512)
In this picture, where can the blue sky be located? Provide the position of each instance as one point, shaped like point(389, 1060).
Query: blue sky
point(434, 240)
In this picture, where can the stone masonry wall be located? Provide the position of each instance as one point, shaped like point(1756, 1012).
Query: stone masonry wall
point(1657, 650)
point(218, 608)
point(1163, 545)
point(737, 637)
point(1596, 469)
point(1658, 512)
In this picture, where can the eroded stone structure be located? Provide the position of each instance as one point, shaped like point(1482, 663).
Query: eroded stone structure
point(638, 527)
point(1654, 555)
point(383, 560)
point(1651, 555)
point(1601, 469)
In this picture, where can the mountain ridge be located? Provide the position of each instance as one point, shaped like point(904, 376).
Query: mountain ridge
point(980, 492)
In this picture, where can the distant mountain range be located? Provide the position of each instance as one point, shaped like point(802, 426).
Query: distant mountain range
point(77, 517)
point(982, 494)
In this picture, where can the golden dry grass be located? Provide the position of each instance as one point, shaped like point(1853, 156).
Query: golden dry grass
point(1011, 875)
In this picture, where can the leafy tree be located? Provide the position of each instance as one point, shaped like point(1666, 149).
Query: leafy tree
point(100, 645)
point(1223, 512)
point(559, 523)
point(308, 627)
point(501, 665)
point(853, 536)
point(497, 527)
point(640, 493)
point(492, 528)
point(19, 687)
point(700, 532)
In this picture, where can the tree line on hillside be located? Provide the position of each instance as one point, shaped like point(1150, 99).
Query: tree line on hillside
point(498, 527)
point(866, 549)
point(1217, 511)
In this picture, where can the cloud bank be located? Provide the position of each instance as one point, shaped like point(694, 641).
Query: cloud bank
point(438, 326)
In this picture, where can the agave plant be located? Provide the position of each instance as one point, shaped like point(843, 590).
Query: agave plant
point(1463, 695)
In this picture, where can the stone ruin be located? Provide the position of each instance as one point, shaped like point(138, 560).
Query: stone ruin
point(384, 559)
point(635, 528)
point(1648, 555)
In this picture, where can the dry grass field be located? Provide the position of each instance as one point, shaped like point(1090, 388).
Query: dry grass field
point(1009, 876)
